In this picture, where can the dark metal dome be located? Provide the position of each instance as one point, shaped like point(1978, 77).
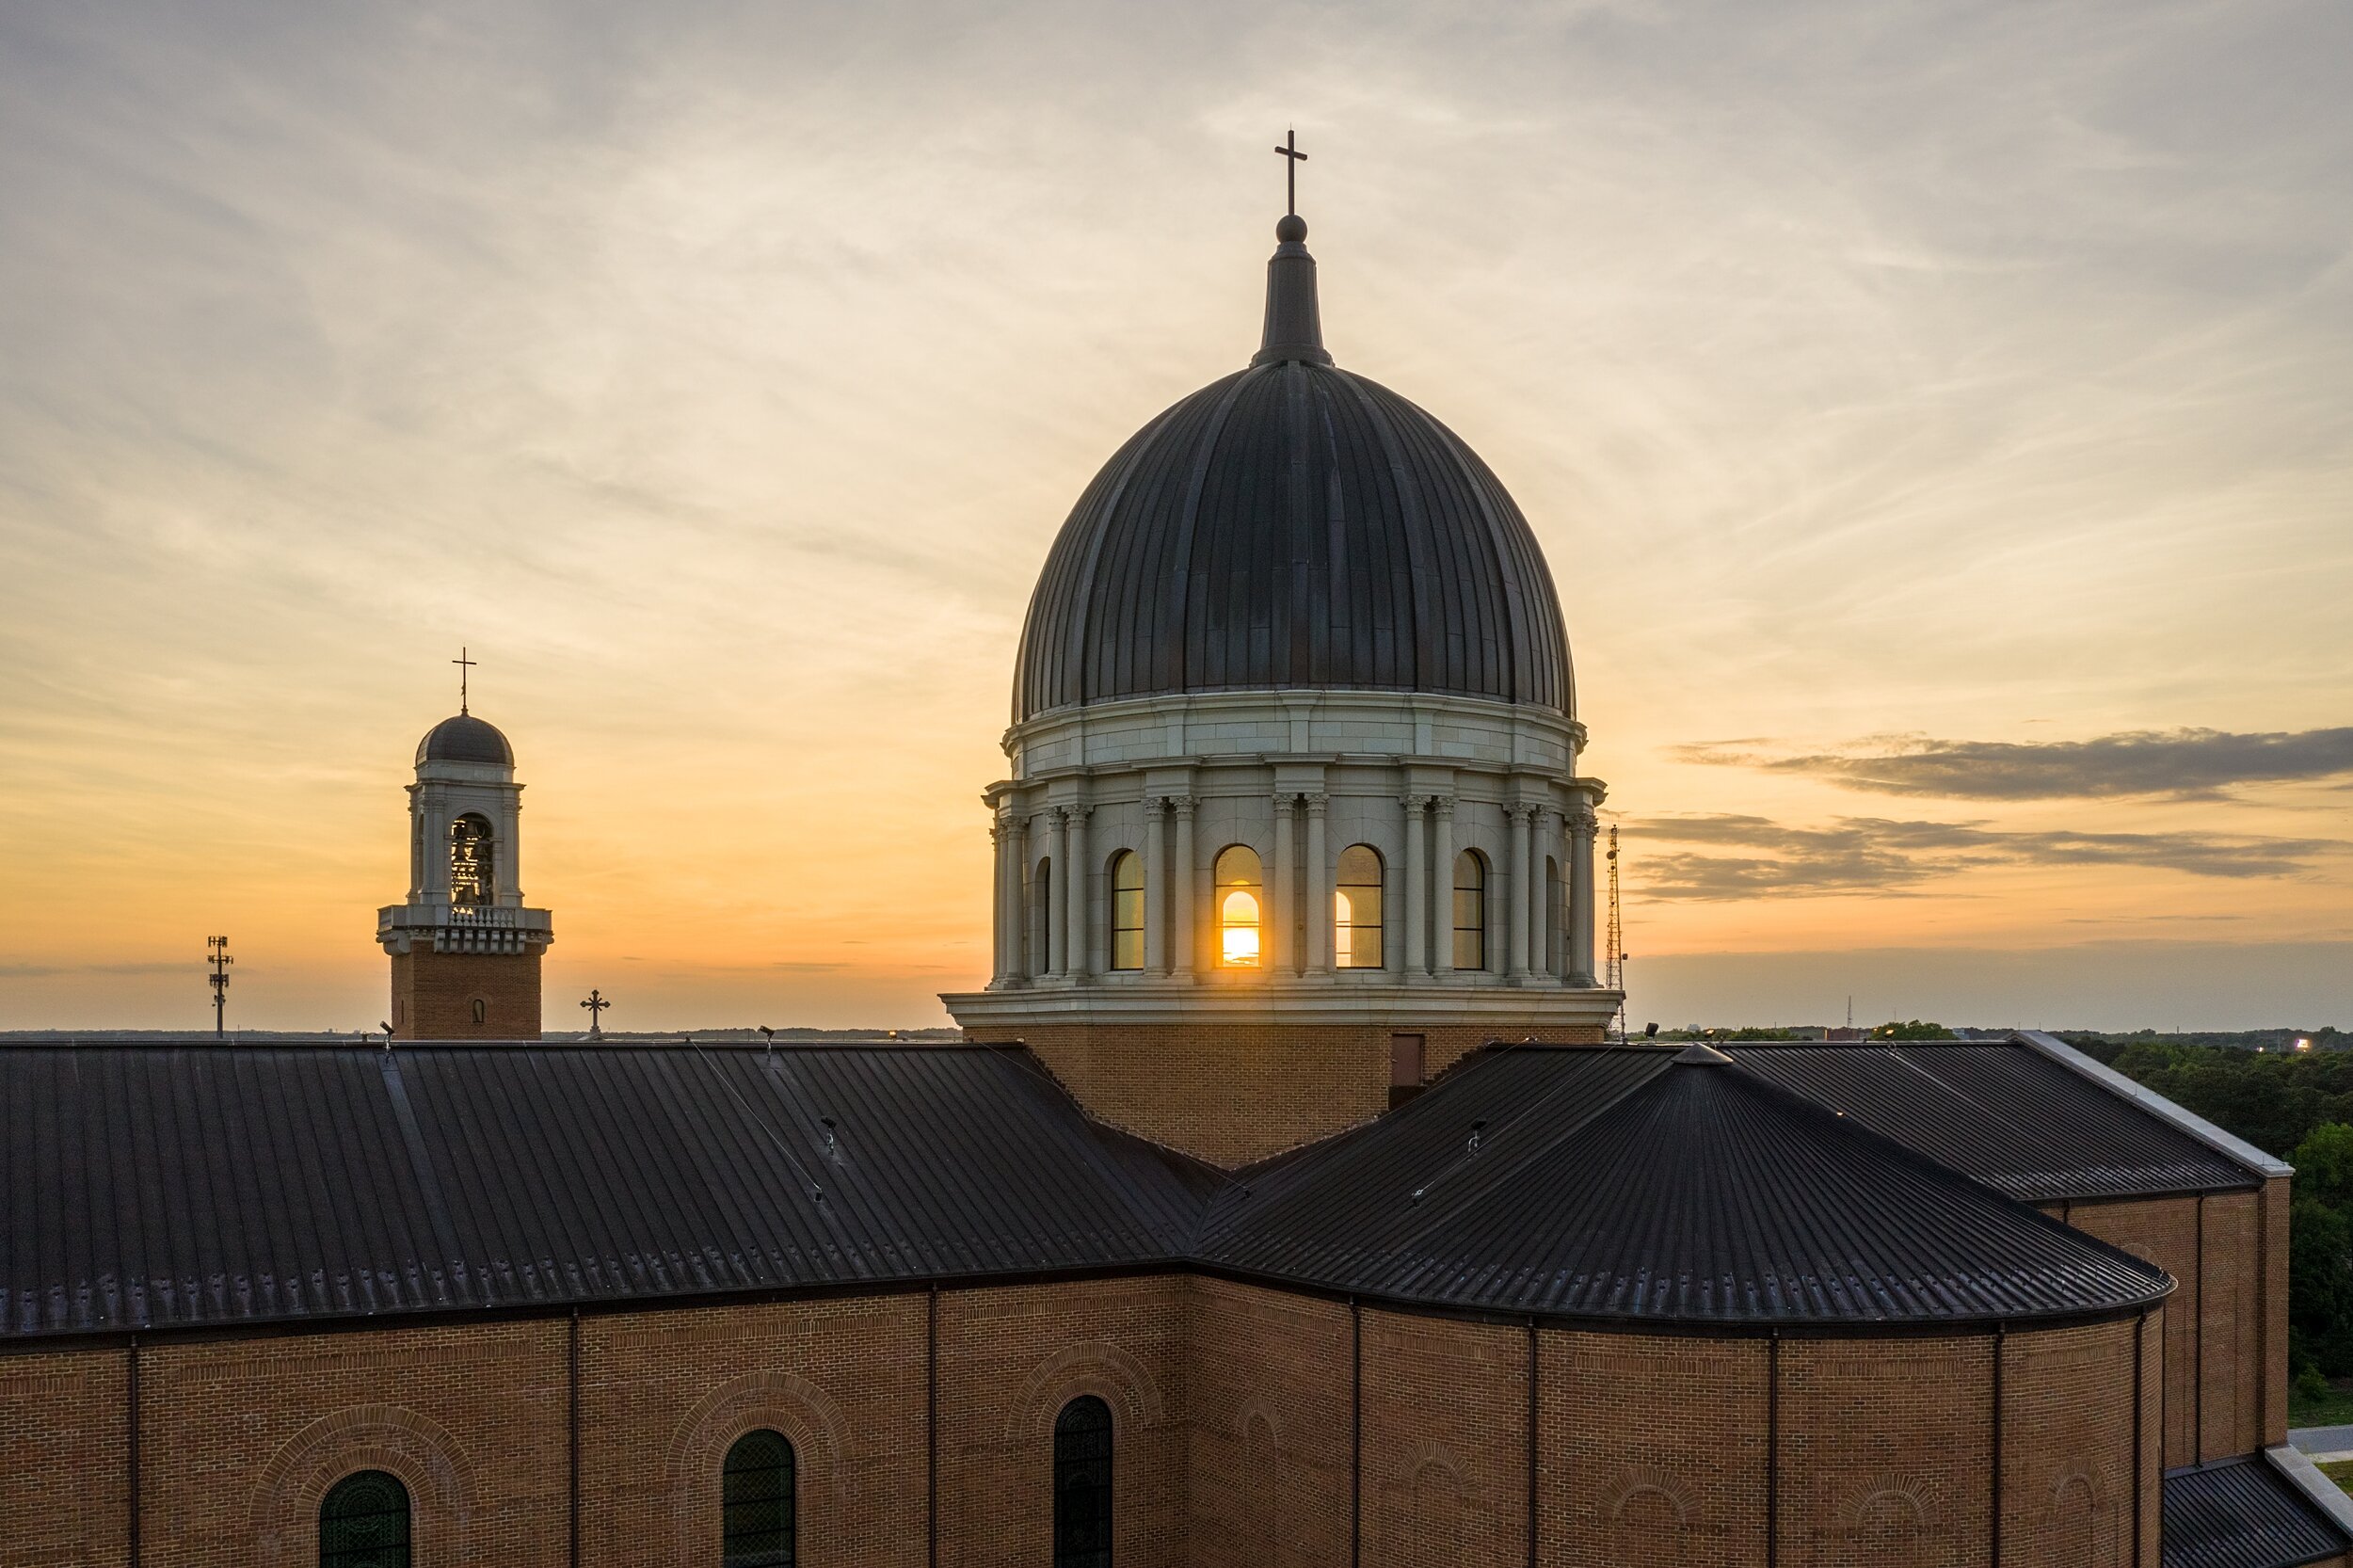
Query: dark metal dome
point(1294, 526)
point(463, 738)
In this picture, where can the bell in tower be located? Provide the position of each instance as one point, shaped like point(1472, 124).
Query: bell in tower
point(465, 952)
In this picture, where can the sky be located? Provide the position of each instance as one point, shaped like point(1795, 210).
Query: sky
point(1938, 418)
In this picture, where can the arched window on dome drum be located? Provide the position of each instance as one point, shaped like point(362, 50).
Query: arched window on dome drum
point(1240, 901)
point(1128, 910)
point(1470, 910)
point(1356, 909)
point(755, 1503)
point(1041, 897)
point(470, 861)
point(363, 1522)
point(1082, 1484)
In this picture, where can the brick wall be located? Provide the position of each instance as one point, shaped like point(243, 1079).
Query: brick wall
point(665, 1395)
point(1231, 1093)
point(2225, 1362)
point(64, 1459)
point(241, 1439)
point(1268, 1389)
point(1235, 1444)
point(434, 993)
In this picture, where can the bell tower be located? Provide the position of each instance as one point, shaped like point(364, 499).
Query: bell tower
point(465, 952)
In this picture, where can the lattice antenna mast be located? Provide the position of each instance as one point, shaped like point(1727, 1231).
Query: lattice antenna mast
point(1613, 966)
point(217, 955)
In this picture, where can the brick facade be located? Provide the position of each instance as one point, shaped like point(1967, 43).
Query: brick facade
point(2225, 1356)
point(437, 996)
point(1232, 1092)
point(1255, 1428)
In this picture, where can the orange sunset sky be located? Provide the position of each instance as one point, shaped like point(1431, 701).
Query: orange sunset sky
point(1939, 421)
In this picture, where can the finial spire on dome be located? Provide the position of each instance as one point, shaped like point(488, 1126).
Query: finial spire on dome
point(1294, 326)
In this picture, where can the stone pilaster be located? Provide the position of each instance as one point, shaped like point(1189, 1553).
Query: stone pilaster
point(1320, 911)
point(1582, 827)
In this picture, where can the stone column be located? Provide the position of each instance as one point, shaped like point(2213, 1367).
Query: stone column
point(1442, 884)
point(1058, 931)
point(1154, 883)
point(1274, 937)
point(1321, 907)
point(1082, 961)
point(1018, 967)
point(1582, 825)
point(1548, 850)
point(1182, 914)
point(1418, 889)
point(1516, 905)
point(1000, 929)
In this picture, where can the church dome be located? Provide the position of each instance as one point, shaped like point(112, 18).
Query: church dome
point(1293, 526)
point(463, 738)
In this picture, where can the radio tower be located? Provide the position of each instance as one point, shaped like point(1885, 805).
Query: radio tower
point(1613, 966)
point(218, 957)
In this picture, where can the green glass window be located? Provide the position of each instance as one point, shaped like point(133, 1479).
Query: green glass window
point(1356, 909)
point(363, 1522)
point(1128, 910)
point(1470, 911)
point(1082, 1484)
point(755, 1503)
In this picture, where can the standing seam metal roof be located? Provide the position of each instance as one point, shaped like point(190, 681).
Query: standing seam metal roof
point(2002, 1113)
point(2242, 1513)
point(1633, 1185)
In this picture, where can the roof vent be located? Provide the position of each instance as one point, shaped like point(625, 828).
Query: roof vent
point(1699, 1055)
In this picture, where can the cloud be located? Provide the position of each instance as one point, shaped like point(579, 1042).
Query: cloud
point(2186, 764)
point(1878, 856)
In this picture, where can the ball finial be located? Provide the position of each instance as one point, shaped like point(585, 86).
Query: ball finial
point(1290, 229)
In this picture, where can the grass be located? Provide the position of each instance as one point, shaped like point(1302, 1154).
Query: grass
point(2342, 1473)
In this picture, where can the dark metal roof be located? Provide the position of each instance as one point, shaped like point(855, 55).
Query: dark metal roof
point(208, 1184)
point(1629, 1184)
point(2243, 1513)
point(2003, 1113)
point(1293, 526)
point(463, 738)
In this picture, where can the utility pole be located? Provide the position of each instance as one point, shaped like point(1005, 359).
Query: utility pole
point(217, 956)
point(1613, 965)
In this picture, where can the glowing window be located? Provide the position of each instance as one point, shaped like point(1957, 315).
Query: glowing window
point(470, 860)
point(1356, 909)
point(1128, 910)
point(1470, 911)
point(1241, 888)
point(1082, 1484)
point(363, 1522)
point(755, 1523)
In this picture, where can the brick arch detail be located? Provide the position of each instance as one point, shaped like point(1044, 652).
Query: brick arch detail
point(1094, 1367)
point(807, 1417)
point(1916, 1495)
point(284, 1511)
point(1637, 1481)
point(2088, 1479)
point(1430, 1454)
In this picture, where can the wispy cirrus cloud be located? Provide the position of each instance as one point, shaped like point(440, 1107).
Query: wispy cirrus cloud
point(2182, 764)
point(1746, 857)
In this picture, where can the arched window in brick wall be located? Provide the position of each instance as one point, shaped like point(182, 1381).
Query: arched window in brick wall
point(755, 1503)
point(1082, 1484)
point(1128, 910)
point(363, 1522)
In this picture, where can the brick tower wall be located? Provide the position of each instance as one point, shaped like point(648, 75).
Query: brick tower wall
point(1232, 1092)
point(434, 995)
